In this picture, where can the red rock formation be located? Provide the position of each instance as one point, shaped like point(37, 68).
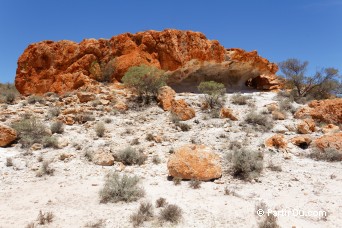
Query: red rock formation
point(330, 141)
point(182, 110)
point(329, 111)
point(65, 65)
point(276, 141)
point(7, 135)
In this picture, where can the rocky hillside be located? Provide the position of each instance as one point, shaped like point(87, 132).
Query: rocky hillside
point(188, 57)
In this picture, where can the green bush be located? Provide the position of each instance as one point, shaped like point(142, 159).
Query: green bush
point(214, 93)
point(57, 127)
point(100, 129)
point(145, 79)
point(34, 99)
point(247, 164)
point(120, 188)
point(129, 156)
point(30, 131)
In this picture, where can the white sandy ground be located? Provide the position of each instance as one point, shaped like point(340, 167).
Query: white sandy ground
point(72, 192)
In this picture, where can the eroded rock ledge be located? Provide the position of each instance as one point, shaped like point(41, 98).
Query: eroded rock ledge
point(189, 57)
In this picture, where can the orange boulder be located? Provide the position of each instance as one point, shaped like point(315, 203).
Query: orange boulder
point(194, 162)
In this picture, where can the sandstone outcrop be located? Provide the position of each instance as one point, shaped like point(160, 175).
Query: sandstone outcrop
point(227, 113)
point(188, 57)
point(301, 141)
point(306, 126)
point(7, 135)
point(329, 111)
point(194, 162)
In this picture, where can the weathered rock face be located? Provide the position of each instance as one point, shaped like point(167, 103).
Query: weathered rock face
point(276, 141)
point(182, 110)
point(329, 111)
point(194, 162)
point(188, 56)
point(7, 135)
point(165, 97)
point(306, 126)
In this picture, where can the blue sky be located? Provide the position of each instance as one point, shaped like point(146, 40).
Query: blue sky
point(304, 29)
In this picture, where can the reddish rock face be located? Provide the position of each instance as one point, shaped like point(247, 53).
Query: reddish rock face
point(330, 141)
point(63, 66)
point(276, 141)
point(7, 135)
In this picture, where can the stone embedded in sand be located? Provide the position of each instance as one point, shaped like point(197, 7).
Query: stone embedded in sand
point(182, 110)
point(7, 135)
point(328, 111)
point(302, 141)
point(277, 115)
point(330, 128)
point(103, 158)
point(194, 162)
point(85, 96)
point(306, 126)
point(165, 97)
point(189, 57)
point(121, 106)
point(330, 141)
point(227, 113)
point(276, 141)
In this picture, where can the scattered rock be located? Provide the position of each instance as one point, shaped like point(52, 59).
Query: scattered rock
point(36, 146)
point(328, 111)
point(330, 128)
point(120, 105)
point(7, 135)
point(306, 126)
point(85, 96)
point(302, 141)
point(277, 115)
point(276, 141)
point(103, 158)
point(165, 97)
point(227, 113)
point(182, 110)
point(194, 162)
point(330, 141)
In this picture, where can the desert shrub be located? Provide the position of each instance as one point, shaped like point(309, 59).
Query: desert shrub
point(269, 221)
point(328, 154)
point(156, 159)
point(97, 224)
point(149, 137)
point(120, 188)
point(135, 141)
point(174, 118)
point(195, 184)
point(177, 180)
point(45, 169)
point(100, 129)
point(57, 127)
point(214, 93)
point(53, 112)
point(30, 131)
point(50, 141)
point(161, 202)
point(274, 167)
point(9, 162)
point(183, 126)
point(247, 164)
point(259, 121)
point(171, 213)
point(239, 99)
point(286, 105)
point(144, 213)
point(319, 86)
point(45, 218)
point(145, 79)
point(35, 99)
point(8, 93)
point(129, 156)
point(108, 120)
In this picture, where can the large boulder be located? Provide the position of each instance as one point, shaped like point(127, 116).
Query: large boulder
point(7, 135)
point(306, 126)
point(329, 111)
point(188, 57)
point(194, 162)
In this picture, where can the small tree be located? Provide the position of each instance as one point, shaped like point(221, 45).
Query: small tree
point(214, 93)
point(145, 79)
point(320, 86)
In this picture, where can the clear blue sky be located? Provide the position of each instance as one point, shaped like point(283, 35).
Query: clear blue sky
point(305, 29)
